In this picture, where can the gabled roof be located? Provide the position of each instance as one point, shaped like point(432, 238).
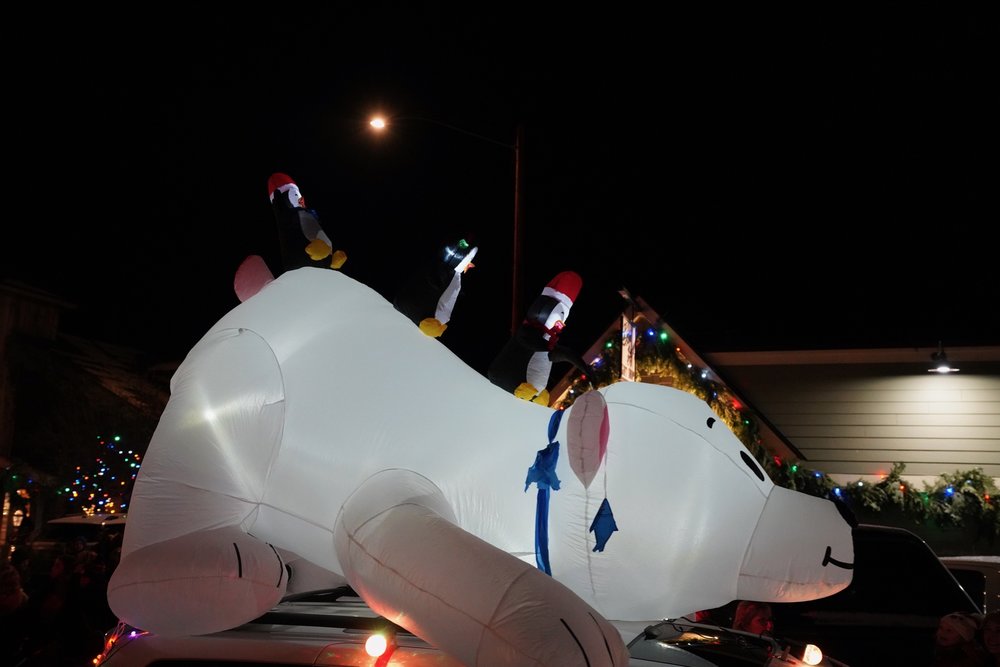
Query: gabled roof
point(649, 323)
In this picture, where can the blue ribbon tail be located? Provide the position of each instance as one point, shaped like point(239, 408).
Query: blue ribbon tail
point(543, 474)
point(542, 532)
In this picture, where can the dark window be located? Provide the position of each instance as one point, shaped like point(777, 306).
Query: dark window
point(974, 583)
point(896, 573)
point(889, 612)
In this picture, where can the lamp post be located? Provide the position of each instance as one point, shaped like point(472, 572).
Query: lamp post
point(381, 123)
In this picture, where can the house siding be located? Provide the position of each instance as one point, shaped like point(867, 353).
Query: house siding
point(856, 419)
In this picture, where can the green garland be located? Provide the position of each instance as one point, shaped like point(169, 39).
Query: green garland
point(960, 499)
point(656, 358)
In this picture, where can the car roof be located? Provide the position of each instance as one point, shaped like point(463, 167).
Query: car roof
point(692, 644)
point(90, 519)
point(979, 576)
point(328, 627)
point(988, 560)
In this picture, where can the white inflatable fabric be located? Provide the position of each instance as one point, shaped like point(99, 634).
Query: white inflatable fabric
point(477, 602)
point(299, 402)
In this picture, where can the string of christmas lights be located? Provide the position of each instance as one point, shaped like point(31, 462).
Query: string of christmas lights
point(104, 486)
point(952, 500)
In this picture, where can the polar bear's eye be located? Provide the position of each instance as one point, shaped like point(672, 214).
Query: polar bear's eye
point(752, 465)
point(710, 422)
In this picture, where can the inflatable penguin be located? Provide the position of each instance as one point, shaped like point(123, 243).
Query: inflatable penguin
point(524, 364)
point(296, 224)
point(429, 297)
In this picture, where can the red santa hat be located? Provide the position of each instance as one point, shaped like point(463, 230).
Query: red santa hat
point(276, 182)
point(565, 287)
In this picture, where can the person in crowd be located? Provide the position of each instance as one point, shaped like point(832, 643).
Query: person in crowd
point(109, 550)
point(721, 616)
point(12, 595)
point(703, 616)
point(22, 561)
point(87, 606)
point(15, 616)
point(50, 617)
point(956, 644)
point(990, 634)
point(78, 548)
point(753, 616)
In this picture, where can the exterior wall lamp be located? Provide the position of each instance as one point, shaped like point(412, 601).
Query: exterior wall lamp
point(939, 362)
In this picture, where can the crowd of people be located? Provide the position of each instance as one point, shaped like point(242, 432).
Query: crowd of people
point(961, 640)
point(967, 640)
point(57, 617)
point(55, 614)
point(755, 617)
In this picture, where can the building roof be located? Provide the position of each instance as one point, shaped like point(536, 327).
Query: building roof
point(646, 320)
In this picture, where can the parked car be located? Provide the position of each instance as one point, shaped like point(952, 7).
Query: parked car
point(889, 613)
point(333, 627)
point(56, 535)
point(682, 642)
point(337, 628)
point(979, 576)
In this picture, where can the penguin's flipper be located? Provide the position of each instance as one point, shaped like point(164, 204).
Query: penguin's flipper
point(565, 355)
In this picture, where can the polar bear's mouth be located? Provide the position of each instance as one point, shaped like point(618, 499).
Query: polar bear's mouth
point(828, 559)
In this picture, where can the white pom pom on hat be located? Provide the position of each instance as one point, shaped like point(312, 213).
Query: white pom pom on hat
point(276, 182)
point(565, 287)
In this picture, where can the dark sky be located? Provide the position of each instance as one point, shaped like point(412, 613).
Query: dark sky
point(764, 180)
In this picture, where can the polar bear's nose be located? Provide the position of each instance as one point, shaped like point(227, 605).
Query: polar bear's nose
point(846, 512)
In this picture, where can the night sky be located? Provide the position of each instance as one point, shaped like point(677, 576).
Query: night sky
point(765, 181)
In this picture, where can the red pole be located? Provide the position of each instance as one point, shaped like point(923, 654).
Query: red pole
point(515, 313)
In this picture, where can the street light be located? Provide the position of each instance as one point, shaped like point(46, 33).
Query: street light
point(381, 123)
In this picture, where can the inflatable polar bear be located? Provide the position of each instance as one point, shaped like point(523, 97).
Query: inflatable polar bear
point(314, 435)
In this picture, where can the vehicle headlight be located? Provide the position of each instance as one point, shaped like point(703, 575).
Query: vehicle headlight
point(812, 655)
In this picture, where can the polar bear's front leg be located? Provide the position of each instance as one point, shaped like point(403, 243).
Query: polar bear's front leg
point(198, 583)
point(400, 547)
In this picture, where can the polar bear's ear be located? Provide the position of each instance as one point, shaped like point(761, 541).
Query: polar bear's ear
point(252, 276)
point(587, 435)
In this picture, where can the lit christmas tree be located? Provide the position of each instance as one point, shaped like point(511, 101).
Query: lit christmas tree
point(104, 486)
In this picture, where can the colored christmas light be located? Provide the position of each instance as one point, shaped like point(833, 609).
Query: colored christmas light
point(106, 485)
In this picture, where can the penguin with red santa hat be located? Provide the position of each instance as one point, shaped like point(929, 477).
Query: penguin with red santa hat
point(301, 236)
point(525, 362)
